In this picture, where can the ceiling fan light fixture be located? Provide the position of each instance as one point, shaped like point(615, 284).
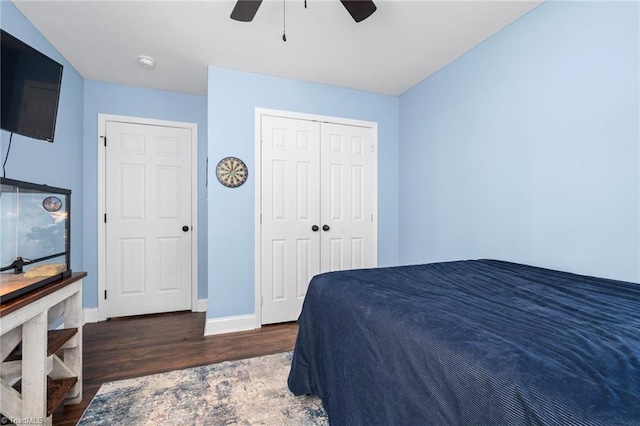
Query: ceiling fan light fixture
point(146, 61)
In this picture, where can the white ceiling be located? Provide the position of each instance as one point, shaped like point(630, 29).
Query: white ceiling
point(398, 46)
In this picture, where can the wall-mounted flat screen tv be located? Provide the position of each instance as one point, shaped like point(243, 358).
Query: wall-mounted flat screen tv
point(30, 89)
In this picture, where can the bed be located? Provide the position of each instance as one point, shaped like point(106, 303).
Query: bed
point(480, 342)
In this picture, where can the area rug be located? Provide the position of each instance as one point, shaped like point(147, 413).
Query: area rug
point(246, 392)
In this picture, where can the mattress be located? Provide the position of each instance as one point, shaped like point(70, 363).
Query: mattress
point(480, 342)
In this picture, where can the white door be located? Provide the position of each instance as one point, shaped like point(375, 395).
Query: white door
point(347, 197)
point(148, 202)
point(290, 209)
point(317, 207)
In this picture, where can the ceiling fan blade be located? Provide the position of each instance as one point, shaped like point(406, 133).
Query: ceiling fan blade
point(359, 9)
point(245, 10)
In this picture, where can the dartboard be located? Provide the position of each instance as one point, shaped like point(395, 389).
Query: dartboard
point(232, 172)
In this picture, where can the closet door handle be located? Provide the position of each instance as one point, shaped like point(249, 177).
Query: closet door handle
point(315, 228)
point(325, 227)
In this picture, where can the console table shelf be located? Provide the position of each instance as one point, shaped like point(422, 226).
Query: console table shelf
point(41, 368)
point(56, 391)
point(55, 340)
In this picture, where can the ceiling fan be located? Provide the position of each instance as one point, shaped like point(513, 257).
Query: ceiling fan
point(359, 10)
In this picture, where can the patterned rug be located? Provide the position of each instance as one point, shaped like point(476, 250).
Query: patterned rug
point(246, 392)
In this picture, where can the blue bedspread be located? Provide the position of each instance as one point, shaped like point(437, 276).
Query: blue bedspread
point(470, 343)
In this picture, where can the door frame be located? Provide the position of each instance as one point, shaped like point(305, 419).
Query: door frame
point(259, 113)
point(103, 119)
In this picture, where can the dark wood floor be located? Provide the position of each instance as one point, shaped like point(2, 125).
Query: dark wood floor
point(133, 347)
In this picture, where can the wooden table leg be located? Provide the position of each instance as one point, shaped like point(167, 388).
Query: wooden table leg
point(34, 368)
point(73, 317)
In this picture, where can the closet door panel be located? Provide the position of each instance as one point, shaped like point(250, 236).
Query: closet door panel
point(290, 179)
point(346, 201)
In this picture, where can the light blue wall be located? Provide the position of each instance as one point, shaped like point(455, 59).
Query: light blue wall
point(116, 99)
point(527, 148)
point(58, 163)
point(233, 97)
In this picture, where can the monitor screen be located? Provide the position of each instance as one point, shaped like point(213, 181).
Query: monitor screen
point(30, 89)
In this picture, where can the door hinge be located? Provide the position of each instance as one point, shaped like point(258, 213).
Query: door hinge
point(260, 218)
point(105, 218)
point(260, 137)
point(372, 147)
point(105, 295)
point(372, 218)
point(261, 300)
point(104, 140)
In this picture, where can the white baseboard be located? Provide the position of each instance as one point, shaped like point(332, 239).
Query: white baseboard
point(201, 306)
point(229, 324)
point(90, 315)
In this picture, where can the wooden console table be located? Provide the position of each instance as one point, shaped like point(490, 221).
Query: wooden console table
point(47, 368)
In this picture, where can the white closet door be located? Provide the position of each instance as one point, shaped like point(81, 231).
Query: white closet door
point(346, 197)
point(290, 207)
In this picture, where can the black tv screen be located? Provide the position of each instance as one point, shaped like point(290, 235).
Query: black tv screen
point(30, 89)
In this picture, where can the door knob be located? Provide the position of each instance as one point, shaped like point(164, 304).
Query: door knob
point(325, 227)
point(185, 228)
point(315, 228)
